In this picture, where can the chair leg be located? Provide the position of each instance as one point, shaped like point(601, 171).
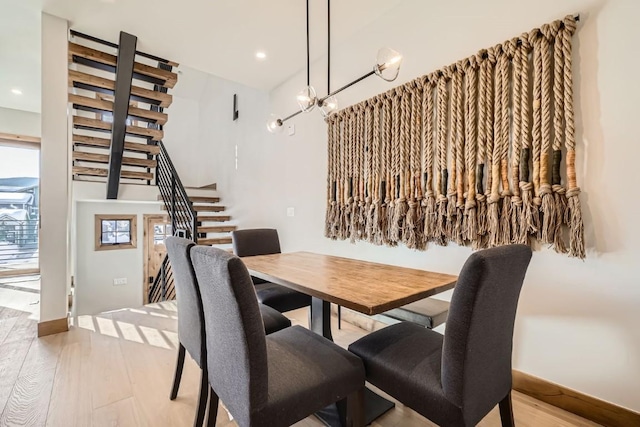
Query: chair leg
point(355, 409)
point(178, 374)
point(339, 317)
point(213, 408)
point(506, 411)
point(202, 399)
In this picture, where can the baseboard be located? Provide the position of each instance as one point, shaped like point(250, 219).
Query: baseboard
point(586, 406)
point(51, 327)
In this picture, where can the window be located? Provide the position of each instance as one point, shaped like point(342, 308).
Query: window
point(115, 232)
point(161, 232)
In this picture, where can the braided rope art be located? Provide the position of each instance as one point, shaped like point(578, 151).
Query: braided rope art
point(447, 156)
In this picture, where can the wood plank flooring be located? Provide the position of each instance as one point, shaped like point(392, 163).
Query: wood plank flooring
point(116, 369)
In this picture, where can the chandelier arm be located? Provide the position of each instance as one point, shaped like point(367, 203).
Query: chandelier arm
point(348, 85)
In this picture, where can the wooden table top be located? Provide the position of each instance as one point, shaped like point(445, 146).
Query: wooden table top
point(363, 286)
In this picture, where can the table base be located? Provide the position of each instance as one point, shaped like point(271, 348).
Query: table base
point(375, 406)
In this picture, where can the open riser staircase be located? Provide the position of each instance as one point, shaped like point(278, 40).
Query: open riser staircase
point(93, 78)
point(93, 96)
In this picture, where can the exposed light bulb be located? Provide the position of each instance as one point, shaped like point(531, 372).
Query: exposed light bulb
point(307, 99)
point(329, 106)
point(274, 125)
point(261, 55)
point(388, 63)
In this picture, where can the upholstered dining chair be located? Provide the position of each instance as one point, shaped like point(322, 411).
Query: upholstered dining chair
point(274, 380)
point(457, 379)
point(191, 323)
point(264, 241)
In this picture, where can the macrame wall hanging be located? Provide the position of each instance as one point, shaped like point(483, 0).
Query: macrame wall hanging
point(471, 153)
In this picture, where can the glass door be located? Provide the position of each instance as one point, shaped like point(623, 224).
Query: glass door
point(19, 210)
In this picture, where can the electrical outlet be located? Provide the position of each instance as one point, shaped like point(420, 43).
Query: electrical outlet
point(291, 130)
point(119, 282)
point(290, 212)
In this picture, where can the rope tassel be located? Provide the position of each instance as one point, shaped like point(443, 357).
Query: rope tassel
point(472, 153)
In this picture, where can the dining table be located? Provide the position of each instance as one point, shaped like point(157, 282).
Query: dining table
point(366, 287)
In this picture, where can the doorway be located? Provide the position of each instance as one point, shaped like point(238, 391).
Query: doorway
point(19, 205)
point(156, 229)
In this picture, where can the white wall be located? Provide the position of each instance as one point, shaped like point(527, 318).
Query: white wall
point(54, 174)
point(200, 133)
point(19, 122)
point(95, 270)
point(577, 320)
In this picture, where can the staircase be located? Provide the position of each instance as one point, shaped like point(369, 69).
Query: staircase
point(134, 144)
point(210, 227)
point(93, 82)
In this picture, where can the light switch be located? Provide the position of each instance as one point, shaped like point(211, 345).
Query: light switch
point(291, 130)
point(290, 212)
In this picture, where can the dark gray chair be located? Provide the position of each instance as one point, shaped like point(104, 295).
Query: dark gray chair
point(457, 379)
point(273, 380)
point(191, 320)
point(264, 241)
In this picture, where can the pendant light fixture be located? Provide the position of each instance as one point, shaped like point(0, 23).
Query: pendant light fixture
point(387, 67)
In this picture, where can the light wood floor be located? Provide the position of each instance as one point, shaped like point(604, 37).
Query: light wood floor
point(116, 368)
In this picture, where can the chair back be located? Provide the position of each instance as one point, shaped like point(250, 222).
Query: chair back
point(235, 337)
point(476, 359)
point(257, 241)
point(190, 317)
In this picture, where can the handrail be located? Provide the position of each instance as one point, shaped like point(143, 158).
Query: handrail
point(172, 168)
point(183, 219)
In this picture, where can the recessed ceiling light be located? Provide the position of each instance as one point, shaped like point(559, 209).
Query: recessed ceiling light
point(16, 91)
point(261, 55)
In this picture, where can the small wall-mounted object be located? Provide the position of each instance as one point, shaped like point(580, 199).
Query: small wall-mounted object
point(120, 281)
point(235, 107)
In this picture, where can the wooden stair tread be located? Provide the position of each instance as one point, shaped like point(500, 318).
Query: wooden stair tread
point(104, 105)
point(104, 158)
point(146, 95)
point(213, 218)
point(92, 141)
point(95, 124)
point(200, 199)
point(214, 241)
point(213, 186)
point(168, 77)
point(204, 199)
point(199, 208)
point(81, 170)
point(216, 228)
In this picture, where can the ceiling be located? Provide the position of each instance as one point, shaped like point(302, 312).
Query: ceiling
point(221, 37)
point(20, 54)
point(218, 37)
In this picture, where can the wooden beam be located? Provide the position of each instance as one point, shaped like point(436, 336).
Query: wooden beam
point(94, 104)
point(104, 158)
point(99, 125)
point(22, 272)
point(81, 170)
point(167, 78)
point(19, 138)
point(100, 84)
point(589, 407)
point(92, 141)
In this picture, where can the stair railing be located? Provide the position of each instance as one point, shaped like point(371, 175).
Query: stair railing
point(184, 221)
